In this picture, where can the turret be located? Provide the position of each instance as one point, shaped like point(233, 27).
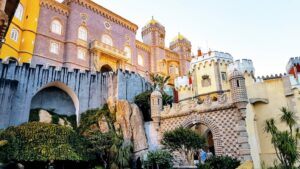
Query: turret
point(182, 46)
point(240, 99)
point(154, 33)
point(156, 107)
point(238, 89)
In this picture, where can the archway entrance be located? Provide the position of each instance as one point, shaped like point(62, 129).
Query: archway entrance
point(58, 98)
point(204, 131)
point(106, 68)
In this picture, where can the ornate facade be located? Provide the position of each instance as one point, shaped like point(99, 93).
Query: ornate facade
point(254, 100)
point(82, 34)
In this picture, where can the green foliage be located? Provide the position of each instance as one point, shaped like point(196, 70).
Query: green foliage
point(167, 99)
point(108, 148)
point(220, 162)
point(36, 141)
point(182, 139)
point(159, 81)
point(143, 102)
point(285, 142)
point(160, 158)
point(34, 116)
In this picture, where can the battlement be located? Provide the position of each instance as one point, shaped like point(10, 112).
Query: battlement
point(270, 77)
point(244, 66)
point(182, 82)
point(292, 62)
point(213, 56)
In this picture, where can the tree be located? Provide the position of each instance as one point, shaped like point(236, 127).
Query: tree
point(159, 81)
point(183, 140)
point(285, 142)
point(159, 159)
point(220, 162)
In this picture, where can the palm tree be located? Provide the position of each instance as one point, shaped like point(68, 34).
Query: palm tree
point(289, 118)
point(159, 81)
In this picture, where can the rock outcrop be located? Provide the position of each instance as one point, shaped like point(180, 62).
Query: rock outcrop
point(130, 119)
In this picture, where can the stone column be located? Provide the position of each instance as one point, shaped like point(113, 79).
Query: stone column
point(244, 146)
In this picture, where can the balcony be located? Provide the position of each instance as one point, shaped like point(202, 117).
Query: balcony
point(109, 50)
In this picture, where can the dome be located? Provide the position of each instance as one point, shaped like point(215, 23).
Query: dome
point(179, 37)
point(156, 93)
point(235, 74)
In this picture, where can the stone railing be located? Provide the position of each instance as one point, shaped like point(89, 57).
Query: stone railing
point(110, 50)
point(197, 104)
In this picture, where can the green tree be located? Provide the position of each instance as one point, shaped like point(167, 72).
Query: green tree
point(183, 140)
point(285, 142)
point(159, 81)
point(159, 159)
point(220, 162)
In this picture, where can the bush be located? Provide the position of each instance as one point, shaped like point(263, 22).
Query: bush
point(36, 141)
point(143, 102)
point(160, 158)
point(220, 162)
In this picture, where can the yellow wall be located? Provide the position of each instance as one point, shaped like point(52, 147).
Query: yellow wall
point(22, 50)
point(258, 113)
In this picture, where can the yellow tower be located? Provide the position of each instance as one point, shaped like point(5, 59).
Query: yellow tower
point(19, 40)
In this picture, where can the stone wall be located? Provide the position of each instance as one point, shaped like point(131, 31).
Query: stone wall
point(19, 84)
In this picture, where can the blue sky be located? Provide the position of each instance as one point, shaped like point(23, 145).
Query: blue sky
point(266, 31)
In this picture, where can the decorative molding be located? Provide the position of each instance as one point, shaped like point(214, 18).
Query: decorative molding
point(56, 6)
point(105, 13)
point(143, 46)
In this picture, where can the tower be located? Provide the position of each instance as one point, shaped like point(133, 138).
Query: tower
point(240, 99)
point(182, 46)
point(153, 34)
point(156, 107)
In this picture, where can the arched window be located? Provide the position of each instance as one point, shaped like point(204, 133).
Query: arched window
point(107, 40)
point(82, 33)
point(140, 60)
point(56, 27)
point(127, 51)
point(14, 34)
point(171, 69)
point(19, 12)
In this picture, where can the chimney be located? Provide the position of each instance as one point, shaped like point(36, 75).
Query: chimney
point(199, 52)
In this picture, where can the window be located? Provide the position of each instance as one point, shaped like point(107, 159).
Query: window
point(127, 51)
point(205, 81)
point(56, 27)
point(224, 76)
point(140, 60)
point(172, 69)
point(81, 53)
point(14, 34)
point(107, 40)
point(176, 70)
point(54, 47)
point(237, 83)
point(19, 12)
point(82, 33)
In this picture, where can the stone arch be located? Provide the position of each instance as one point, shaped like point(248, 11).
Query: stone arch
point(192, 120)
point(11, 59)
point(69, 92)
point(106, 68)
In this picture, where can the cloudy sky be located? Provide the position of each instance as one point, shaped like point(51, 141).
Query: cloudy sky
point(266, 31)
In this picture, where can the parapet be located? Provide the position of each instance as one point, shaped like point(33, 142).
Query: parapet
point(244, 66)
point(292, 62)
point(213, 56)
point(270, 77)
point(182, 82)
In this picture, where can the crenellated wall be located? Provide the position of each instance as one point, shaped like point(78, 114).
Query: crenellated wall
point(20, 83)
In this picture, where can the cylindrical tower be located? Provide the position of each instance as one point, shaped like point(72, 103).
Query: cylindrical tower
point(238, 87)
point(156, 107)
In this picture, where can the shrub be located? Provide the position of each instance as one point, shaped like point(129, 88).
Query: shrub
point(36, 141)
point(159, 159)
point(220, 162)
point(143, 102)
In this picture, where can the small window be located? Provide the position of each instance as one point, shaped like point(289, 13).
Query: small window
point(107, 40)
point(56, 27)
point(140, 60)
point(19, 12)
point(14, 34)
point(54, 47)
point(81, 53)
point(176, 70)
point(237, 83)
point(224, 76)
point(127, 51)
point(172, 69)
point(82, 33)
